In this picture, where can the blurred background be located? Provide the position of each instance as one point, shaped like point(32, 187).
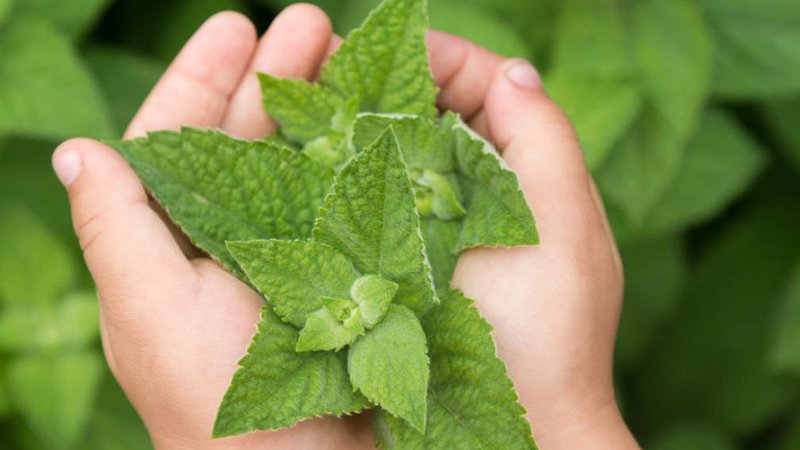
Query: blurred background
point(689, 112)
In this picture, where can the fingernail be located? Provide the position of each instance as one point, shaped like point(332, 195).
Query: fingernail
point(67, 165)
point(523, 75)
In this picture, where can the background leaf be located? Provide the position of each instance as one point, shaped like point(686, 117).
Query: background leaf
point(676, 71)
point(183, 19)
point(655, 276)
point(73, 20)
point(758, 47)
point(126, 77)
point(594, 73)
point(5, 9)
point(38, 63)
point(5, 401)
point(783, 117)
point(35, 268)
point(115, 424)
point(55, 393)
point(719, 164)
point(707, 339)
point(477, 25)
point(691, 436)
point(70, 324)
point(786, 353)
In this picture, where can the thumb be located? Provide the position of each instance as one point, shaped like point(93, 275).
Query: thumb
point(129, 250)
point(538, 141)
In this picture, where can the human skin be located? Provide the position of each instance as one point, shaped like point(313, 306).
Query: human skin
point(174, 323)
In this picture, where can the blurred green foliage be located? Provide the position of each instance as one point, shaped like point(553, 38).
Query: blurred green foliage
point(689, 113)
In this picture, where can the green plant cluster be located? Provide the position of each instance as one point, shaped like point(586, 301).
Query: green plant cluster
point(688, 111)
point(349, 220)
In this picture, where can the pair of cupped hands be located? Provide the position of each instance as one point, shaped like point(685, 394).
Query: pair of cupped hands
point(174, 323)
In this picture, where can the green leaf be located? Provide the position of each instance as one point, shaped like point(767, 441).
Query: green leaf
point(340, 322)
point(445, 201)
point(450, 149)
point(471, 401)
point(786, 347)
point(372, 219)
point(757, 47)
point(373, 295)
point(276, 387)
point(71, 324)
point(720, 339)
point(35, 267)
point(323, 331)
point(55, 392)
point(385, 62)
point(304, 110)
point(125, 78)
point(72, 21)
point(217, 188)
point(441, 243)
point(692, 436)
point(295, 275)
point(719, 163)
point(389, 365)
point(497, 212)
point(425, 146)
point(38, 63)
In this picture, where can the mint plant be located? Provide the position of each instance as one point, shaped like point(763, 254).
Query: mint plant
point(349, 220)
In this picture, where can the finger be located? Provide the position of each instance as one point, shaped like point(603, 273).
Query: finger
point(293, 47)
point(463, 72)
point(540, 144)
point(196, 87)
point(128, 248)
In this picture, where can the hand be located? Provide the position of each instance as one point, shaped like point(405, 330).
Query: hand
point(175, 324)
point(555, 307)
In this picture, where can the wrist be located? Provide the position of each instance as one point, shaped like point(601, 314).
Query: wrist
point(178, 442)
point(599, 426)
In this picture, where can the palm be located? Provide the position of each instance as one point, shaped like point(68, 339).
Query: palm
point(543, 310)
